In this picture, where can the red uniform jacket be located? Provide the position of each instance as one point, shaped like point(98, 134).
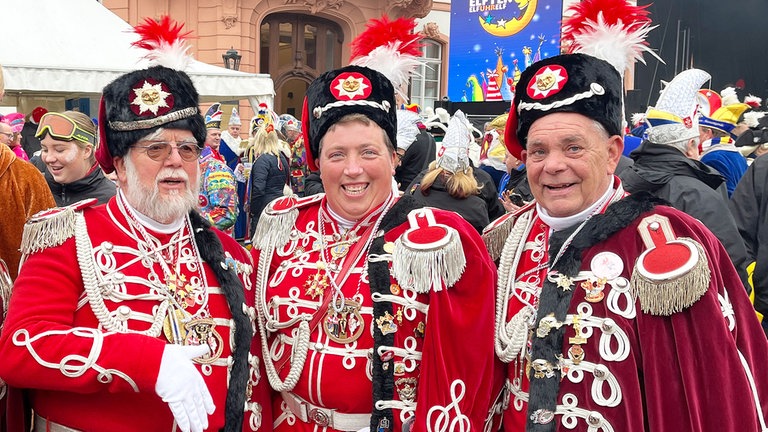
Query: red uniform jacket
point(421, 357)
point(85, 328)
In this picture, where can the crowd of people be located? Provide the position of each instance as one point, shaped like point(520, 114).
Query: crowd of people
point(350, 272)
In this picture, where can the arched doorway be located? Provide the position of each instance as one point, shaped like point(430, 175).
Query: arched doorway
point(294, 50)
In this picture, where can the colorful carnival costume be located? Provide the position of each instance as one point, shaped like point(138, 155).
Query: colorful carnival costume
point(218, 199)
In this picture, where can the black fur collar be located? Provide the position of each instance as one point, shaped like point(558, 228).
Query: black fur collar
point(212, 252)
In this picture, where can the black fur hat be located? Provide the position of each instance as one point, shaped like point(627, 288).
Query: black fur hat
point(138, 103)
point(348, 90)
point(577, 83)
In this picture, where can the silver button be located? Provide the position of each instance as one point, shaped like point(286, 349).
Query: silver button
point(595, 419)
point(601, 371)
point(608, 325)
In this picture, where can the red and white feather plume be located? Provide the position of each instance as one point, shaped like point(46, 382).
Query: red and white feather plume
point(753, 101)
point(613, 30)
point(165, 42)
point(390, 47)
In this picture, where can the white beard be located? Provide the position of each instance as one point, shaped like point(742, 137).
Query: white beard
point(161, 208)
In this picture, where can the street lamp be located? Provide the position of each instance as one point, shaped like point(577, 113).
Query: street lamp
point(232, 59)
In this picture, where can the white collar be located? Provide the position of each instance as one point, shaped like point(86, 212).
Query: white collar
point(561, 223)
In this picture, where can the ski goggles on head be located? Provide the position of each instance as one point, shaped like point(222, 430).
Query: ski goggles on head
point(63, 128)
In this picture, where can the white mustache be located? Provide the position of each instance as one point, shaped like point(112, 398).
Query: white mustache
point(175, 174)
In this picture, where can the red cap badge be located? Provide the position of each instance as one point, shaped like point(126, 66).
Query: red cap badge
point(547, 81)
point(351, 86)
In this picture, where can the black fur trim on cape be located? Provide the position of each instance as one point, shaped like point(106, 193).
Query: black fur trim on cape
point(379, 278)
point(212, 252)
point(543, 392)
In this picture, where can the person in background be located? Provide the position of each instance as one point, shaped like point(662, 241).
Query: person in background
point(132, 316)
point(291, 129)
point(667, 165)
point(217, 200)
point(608, 303)
point(6, 135)
point(25, 193)
point(232, 151)
point(270, 173)
point(213, 133)
point(16, 123)
point(492, 150)
point(753, 142)
point(418, 154)
point(749, 206)
point(29, 142)
point(515, 191)
point(68, 150)
point(719, 117)
point(452, 183)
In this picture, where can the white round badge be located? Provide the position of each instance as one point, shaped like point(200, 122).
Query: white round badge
point(607, 265)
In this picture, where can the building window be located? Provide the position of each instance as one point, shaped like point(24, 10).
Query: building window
point(295, 49)
point(426, 82)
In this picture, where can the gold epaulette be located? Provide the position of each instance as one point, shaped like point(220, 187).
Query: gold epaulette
point(277, 220)
point(673, 272)
point(52, 227)
point(496, 233)
point(427, 254)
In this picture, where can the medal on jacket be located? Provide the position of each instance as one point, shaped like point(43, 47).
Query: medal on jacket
point(344, 325)
point(203, 331)
point(317, 283)
point(173, 325)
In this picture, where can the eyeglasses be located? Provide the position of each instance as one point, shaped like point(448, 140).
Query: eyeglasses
point(63, 128)
point(8, 134)
point(161, 150)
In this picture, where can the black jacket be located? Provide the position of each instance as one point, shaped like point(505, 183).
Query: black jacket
point(313, 184)
point(749, 205)
point(93, 185)
point(29, 143)
point(690, 186)
point(268, 177)
point(416, 159)
point(478, 210)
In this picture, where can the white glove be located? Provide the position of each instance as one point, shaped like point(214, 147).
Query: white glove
point(182, 387)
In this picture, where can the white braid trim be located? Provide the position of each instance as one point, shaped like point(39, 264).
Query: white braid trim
point(92, 283)
point(595, 89)
point(510, 337)
point(73, 365)
point(318, 112)
point(300, 347)
point(755, 396)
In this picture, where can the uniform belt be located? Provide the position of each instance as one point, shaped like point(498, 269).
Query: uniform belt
point(44, 425)
point(324, 417)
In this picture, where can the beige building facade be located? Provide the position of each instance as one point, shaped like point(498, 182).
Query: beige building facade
point(297, 40)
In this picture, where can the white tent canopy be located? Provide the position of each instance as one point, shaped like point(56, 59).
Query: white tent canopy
point(56, 49)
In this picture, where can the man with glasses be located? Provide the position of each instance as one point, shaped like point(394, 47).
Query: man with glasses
point(6, 134)
point(130, 316)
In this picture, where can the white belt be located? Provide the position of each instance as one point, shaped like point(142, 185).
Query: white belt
point(44, 425)
point(324, 417)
